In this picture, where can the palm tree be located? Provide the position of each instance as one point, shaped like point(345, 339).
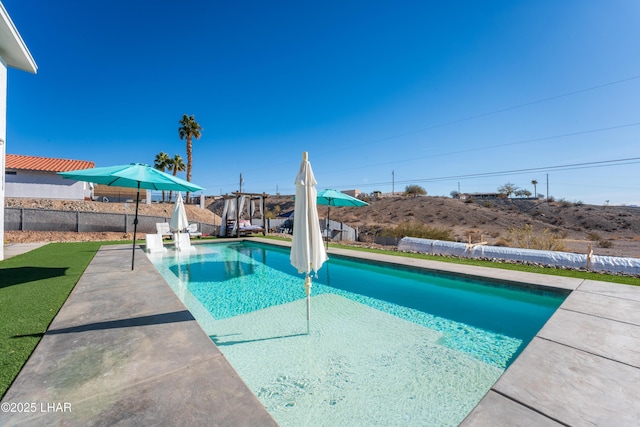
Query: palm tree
point(534, 182)
point(188, 130)
point(161, 163)
point(176, 165)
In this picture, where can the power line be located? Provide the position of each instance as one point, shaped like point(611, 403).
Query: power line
point(530, 170)
point(526, 141)
point(490, 113)
point(573, 166)
point(476, 116)
point(545, 138)
point(553, 168)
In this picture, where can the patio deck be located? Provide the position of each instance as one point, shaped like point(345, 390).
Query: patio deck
point(124, 350)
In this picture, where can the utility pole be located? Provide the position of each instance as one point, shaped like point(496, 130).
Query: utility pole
point(393, 183)
point(458, 187)
point(241, 181)
point(547, 187)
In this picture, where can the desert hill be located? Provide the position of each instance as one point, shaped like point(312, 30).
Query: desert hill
point(617, 227)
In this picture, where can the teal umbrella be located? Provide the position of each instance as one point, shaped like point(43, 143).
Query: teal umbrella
point(134, 175)
point(337, 198)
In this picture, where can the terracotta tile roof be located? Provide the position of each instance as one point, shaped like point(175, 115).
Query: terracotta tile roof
point(48, 164)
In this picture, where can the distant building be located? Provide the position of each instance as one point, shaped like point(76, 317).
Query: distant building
point(106, 193)
point(479, 196)
point(352, 193)
point(36, 177)
point(380, 195)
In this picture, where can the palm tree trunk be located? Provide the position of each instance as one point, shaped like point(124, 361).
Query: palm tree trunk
point(189, 161)
point(175, 172)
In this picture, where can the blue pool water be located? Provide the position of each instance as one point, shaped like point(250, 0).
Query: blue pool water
point(387, 346)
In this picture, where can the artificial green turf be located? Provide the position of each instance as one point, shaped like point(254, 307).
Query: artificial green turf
point(33, 288)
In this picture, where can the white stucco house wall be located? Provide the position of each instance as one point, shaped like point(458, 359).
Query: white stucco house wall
point(14, 54)
point(37, 178)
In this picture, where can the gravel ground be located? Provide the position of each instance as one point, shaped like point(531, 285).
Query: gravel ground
point(60, 236)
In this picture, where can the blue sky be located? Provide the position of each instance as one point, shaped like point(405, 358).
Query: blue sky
point(382, 94)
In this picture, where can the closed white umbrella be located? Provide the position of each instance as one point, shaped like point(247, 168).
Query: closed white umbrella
point(307, 249)
point(179, 219)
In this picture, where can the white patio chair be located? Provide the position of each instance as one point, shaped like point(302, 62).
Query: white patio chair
point(153, 243)
point(192, 229)
point(163, 229)
point(184, 243)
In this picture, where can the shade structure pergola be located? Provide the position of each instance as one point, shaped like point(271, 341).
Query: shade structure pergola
point(133, 175)
point(307, 250)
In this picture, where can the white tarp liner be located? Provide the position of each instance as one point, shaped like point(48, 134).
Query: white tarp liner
point(559, 259)
point(615, 264)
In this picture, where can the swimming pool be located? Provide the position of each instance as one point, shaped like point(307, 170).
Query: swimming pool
point(388, 345)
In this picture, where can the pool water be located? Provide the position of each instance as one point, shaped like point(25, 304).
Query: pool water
point(387, 346)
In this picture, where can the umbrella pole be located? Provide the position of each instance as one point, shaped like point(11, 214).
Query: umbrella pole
point(328, 225)
point(135, 228)
point(307, 288)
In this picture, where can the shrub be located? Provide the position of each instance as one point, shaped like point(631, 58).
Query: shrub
point(501, 242)
point(564, 203)
point(273, 213)
point(605, 243)
point(592, 235)
point(414, 191)
point(526, 237)
point(412, 229)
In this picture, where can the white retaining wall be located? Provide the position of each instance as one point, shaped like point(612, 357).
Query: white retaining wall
point(559, 259)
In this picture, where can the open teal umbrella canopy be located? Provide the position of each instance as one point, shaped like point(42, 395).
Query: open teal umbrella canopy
point(330, 198)
point(338, 198)
point(133, 175)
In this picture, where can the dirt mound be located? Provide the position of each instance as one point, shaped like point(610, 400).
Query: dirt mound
point(617, 227)
point(194, 212)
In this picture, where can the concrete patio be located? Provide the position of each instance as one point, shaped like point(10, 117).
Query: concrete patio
point(14, 249)
point(124, 351)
